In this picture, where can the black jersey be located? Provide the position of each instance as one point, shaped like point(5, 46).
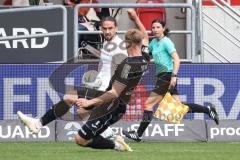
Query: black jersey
point(129, 73)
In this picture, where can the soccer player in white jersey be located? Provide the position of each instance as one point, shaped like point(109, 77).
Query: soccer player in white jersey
point(113, 46)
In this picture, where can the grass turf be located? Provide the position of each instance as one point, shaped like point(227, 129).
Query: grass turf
point(142, 151)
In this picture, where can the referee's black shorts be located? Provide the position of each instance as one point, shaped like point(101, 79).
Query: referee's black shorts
point(162, 84)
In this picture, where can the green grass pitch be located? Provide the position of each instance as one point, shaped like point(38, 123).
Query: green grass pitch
point(142, 151)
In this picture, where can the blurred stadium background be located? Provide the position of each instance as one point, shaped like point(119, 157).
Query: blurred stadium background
point(207, 40)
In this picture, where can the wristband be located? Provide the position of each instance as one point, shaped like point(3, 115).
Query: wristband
point(174, 75)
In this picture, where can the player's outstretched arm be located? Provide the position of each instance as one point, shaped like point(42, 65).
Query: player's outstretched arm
point(133, 16)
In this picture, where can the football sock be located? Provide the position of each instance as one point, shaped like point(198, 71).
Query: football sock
point(146, 120)
point(196, 108)
point(101, 143)
point(56, 111)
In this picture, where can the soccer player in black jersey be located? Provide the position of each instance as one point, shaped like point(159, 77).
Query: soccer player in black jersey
point(111, 105)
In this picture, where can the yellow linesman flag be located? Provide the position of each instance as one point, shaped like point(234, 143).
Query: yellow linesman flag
point(169, 109)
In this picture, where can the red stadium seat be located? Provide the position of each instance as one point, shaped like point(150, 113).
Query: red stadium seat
point(7, 2)
point(147, 15)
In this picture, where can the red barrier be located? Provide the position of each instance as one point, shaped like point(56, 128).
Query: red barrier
point(232, 2)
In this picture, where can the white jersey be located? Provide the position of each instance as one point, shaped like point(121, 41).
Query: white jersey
point(109, 50)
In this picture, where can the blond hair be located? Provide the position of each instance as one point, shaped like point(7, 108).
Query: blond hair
point(134, 37)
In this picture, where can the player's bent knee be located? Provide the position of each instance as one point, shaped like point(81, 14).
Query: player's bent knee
point(81, 141)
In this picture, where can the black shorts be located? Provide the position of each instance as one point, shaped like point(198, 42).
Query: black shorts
point(95, 126)
point(162, 84)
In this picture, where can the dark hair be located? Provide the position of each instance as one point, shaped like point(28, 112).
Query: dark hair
point(109, 18)
point(163, 23)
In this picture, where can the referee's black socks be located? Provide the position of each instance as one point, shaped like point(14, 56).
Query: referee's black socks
point(196, 108)
point(146, 120)
point(55, 112)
